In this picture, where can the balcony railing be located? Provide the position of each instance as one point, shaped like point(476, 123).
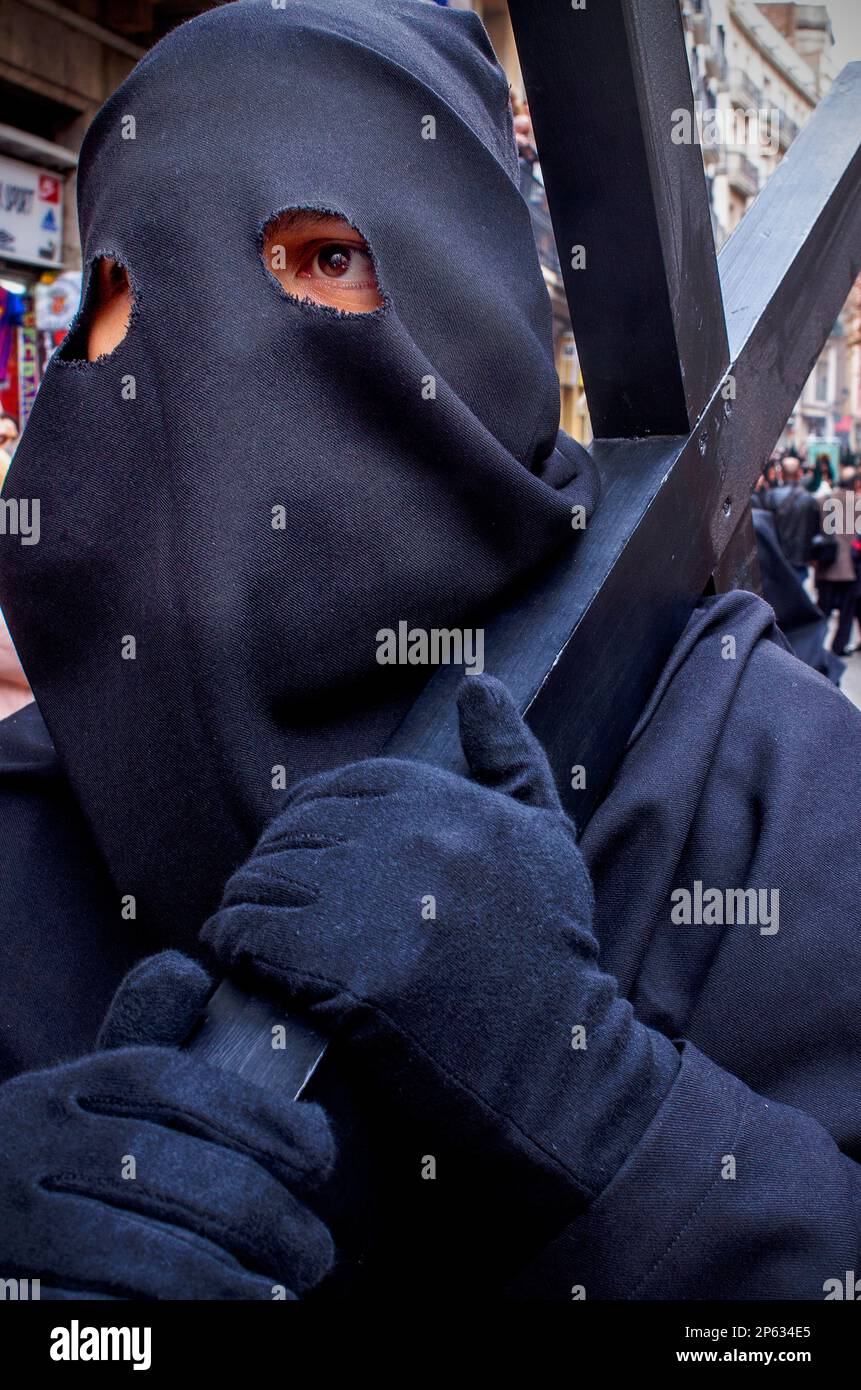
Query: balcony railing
point(711, 149)
point(701, 20)
point(542, 227)
point(717, 66)
point(742, 173)
point(743, 90)
point(787, 129)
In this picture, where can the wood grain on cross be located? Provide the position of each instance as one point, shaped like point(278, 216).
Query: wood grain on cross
point(659, 321)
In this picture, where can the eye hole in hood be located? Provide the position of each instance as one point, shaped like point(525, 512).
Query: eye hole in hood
point(320, 257)
point(106, 315)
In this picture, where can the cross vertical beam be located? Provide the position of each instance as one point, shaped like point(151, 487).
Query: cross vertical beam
point(606, 84)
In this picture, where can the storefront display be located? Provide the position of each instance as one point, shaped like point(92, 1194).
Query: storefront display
point(38, 298)
point(35, 314)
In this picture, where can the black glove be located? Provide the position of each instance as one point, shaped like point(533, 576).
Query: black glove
point(142, 1173)
point(443, 926)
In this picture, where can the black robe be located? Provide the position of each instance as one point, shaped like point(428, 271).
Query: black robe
point(414, 458)
point(742, 773)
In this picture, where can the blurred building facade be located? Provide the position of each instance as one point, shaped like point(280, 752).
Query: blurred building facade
point(757, 71)
point(763, 68)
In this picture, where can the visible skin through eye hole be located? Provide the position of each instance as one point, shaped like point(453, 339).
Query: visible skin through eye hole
point(318, 256)
point(314, 255)
point(110, 307)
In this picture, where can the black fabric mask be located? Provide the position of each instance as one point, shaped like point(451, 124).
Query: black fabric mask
point(158, 467)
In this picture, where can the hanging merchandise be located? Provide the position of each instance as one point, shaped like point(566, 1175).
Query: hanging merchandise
point(28, 368)
point(56, 301)
point(12, 308)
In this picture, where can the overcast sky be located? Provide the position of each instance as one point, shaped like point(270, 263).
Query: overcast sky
point(846, 23)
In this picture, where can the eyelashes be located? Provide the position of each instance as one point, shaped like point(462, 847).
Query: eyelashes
point(341, 263)
point(116, 274)
point(319, 256)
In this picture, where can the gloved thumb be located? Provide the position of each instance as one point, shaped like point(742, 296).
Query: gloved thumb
point(157, 1004)
point(501, 751)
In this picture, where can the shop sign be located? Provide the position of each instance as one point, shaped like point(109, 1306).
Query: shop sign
point(31, 213)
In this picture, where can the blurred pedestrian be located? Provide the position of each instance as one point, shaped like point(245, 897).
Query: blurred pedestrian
point(796, 516)
point(524, 138)
point(8, 441)
point(821, 480)
point(14, 690)
point(757, 497)
point(837, 584)
point(803, 624)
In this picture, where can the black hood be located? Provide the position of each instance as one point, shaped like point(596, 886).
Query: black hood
point(157, 468)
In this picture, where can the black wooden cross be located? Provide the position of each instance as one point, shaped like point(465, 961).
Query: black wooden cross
point(660, 322)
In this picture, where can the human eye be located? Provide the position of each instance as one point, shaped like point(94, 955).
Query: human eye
point(113, 276)
point(345, 262)
point(319, 257)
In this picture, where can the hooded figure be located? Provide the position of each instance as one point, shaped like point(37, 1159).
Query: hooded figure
point(200, 623)
point(397, 465)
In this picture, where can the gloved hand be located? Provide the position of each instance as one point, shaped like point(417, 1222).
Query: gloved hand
point(443, 927)
point(137, 1172)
